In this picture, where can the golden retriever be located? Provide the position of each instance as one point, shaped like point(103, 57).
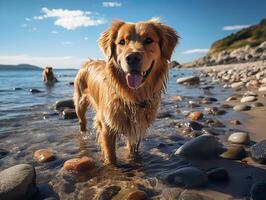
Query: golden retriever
point(125, 90)
point(48, 75)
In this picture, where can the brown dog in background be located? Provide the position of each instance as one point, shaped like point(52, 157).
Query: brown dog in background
point(48, 75)
point(125, 91)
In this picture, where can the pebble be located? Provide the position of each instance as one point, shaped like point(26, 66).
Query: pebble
point(176, 98)
point(213, 131)
point(258, 191)
point(165, 114)
point(232, 98)
point(257, 104)
point(44, 155)
point(258, 152)
point(237, 85)
point(69, 113)
point(262, 89)
point(194, 125)
point(187, 177)
point(218, 174)
point(188, 195)
point(18, 182)
point(248, 99)
point(214, 123)
point(235, 122)
point(196, 115)
point(67, 103)
point(250, 93)
point(239, 138)
point(241, 107)
point(3, 153)
point(188, 80)
point(131, 194)
point(35, 91)
point(71, 83)
point(234, 152)
point(214, 111)
point(17, 88)
point(109, 192)
point(204, 146)
point(79, 164)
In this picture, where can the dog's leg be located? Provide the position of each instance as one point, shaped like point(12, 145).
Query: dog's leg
point(81, 113)
point(133, 149)
point(107, 141)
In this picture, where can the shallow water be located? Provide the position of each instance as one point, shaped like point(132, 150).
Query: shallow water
point(23, 130)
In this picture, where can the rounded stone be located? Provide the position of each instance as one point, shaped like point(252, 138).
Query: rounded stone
point(231, 98)
point(196, 115)
point(187, 177)
point(188, 80)
point(131, 194)
point(204, 146)
point(258, 152)
point(35, 91)
point(67, 103)
point(235, 122)
point(234, 152)
point(3, 153)
point(188, 195)
point(257, 104)
point(218, 175)
point(109, 192)
point(69, 113)
point(18, 182)
point(241, 107)
point(237, 85)
point(248, 99)
point(258, 191)
point(44, 155)
point(79, 164)
point(194, 125)
point(239, 138)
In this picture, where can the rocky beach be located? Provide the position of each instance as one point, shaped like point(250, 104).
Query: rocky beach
point(208, 142)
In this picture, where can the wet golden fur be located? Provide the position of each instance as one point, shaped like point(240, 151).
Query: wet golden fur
point(48, 75)
point(102, 84)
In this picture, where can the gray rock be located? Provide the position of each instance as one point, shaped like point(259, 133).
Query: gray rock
point(258, 152)
point(248, 99)
point(231, 98)
point(173, 64)
point(241, 107)
point(61, 104)
point(258, 191)
point(257, 104)
point(204, 146)
point(188, 80)
point(18, 182)
point(194, 125)
point(69, 113)
point(187, 177)
point(237, 85)
point(3, 153)
point(188, 195)
point(33, 91)
point(234, 152)
point(239, 138)
point(109, 192)
point(218, 174)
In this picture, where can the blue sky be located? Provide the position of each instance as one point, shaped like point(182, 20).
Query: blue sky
point(63, 33)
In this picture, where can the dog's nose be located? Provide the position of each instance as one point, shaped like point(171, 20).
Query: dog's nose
point(134, 59)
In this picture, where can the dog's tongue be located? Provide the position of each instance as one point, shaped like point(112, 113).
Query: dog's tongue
point(134, 80)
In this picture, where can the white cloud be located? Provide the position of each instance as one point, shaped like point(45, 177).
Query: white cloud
point(86, 38)
point(235, 27)
point(67, 43)
point(191, 51)
point(54, 32)
point(27, 19)
point(42, 61)
point(111, 4)
point(24, 25)
point(70, 19)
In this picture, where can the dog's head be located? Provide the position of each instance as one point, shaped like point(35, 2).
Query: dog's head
point(137, 49)
point(48, 70)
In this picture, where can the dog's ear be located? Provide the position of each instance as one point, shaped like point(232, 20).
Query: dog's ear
point(168, 38)
point(107, 39)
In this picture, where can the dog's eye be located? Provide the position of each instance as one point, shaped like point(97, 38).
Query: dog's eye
point(148, 41)
point(122, 42)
